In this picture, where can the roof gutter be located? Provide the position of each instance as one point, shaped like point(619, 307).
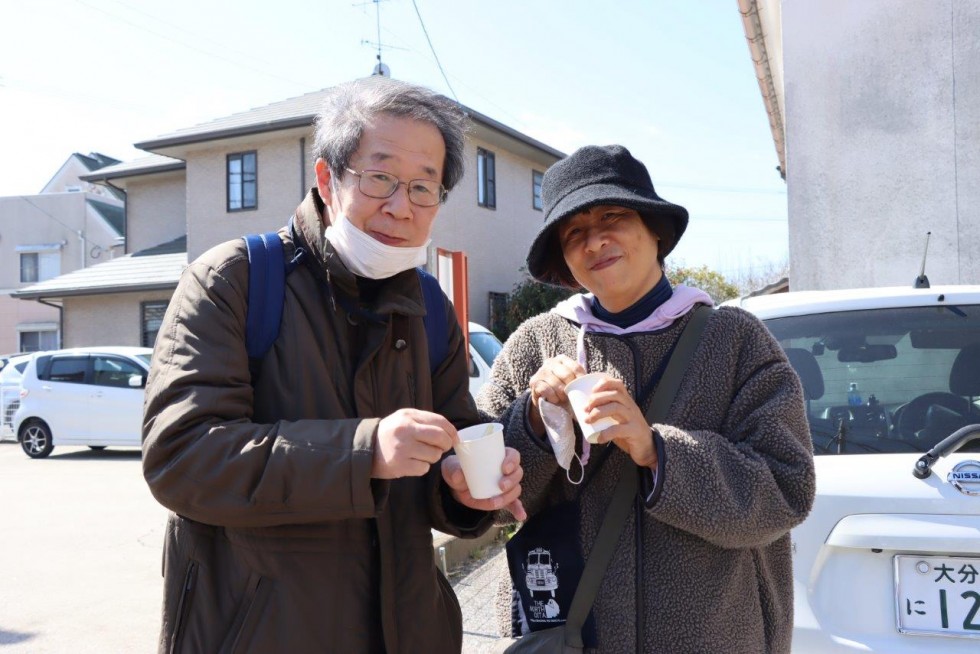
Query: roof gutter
point(755, 36)
point(99, 290)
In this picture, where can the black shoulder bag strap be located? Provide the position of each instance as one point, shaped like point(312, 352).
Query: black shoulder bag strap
point(622, 500)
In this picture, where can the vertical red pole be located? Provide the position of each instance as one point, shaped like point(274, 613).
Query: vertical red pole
point(461, 295)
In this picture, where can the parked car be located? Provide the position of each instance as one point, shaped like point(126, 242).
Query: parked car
point(10, 377)
point(86, 396)
point(484, 347)
point(888, 560)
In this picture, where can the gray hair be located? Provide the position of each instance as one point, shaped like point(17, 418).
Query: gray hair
point(351, 106)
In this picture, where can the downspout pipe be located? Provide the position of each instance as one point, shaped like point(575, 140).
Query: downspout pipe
point(122, 191)
point(61, 320)
point(755, 36)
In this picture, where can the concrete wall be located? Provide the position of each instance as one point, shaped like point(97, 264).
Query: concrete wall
point(883, 141)
point(155, 209)
point(26, 314)
point(106, 319)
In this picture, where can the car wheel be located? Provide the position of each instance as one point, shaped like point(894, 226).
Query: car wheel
point(97, 448)
point(35, 439)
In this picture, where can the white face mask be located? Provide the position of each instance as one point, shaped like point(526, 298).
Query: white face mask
point(558, 424)
point(368, 257)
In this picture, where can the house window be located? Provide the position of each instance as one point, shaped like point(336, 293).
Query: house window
point(151, 317)
point(486, 173)
point(536, 179)
point(38, 266)
point(242, 181)
point(38, 341)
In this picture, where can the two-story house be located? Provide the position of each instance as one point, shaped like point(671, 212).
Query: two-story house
point(71, 224)
point(246, 173)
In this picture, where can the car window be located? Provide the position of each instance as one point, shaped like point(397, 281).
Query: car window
point(113, 371)
point(67, 369)
point(145, 358)
point(885, 380)
point(487, 345)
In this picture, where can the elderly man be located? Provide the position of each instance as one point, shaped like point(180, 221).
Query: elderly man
point(304, 486)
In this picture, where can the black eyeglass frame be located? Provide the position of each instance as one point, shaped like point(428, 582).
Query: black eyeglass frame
point(441, 197)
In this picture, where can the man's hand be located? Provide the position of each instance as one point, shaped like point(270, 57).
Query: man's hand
point(632, 435)
point(409, 441)
point(549, 383)
point(510, 485)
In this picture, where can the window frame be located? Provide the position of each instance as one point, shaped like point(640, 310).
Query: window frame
point(144, 307)
point(486, 178)
point(537, 179)
point(240, 158)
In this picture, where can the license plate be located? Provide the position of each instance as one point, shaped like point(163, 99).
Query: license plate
point(938, 595)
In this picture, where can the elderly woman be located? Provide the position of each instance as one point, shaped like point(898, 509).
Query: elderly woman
point(703, 563)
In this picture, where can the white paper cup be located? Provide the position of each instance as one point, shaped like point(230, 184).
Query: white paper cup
point(481, 453)
point(579, 391)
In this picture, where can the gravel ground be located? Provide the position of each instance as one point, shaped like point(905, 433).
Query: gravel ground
point(475, 583)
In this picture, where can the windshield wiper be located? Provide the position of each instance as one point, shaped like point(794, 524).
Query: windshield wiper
point(953, 442)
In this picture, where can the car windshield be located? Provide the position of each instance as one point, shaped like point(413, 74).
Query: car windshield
point(487, 345)
point(886, 380)
point(145, 358)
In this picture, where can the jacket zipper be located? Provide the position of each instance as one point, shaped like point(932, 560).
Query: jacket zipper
point(183, 606)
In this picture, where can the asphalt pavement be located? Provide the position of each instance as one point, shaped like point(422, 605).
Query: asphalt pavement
point(80, 552)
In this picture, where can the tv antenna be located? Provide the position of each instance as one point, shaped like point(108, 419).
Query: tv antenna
point(922, 281)
point(381, 69)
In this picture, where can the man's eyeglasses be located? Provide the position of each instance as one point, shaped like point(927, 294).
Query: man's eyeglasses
point(379, 184)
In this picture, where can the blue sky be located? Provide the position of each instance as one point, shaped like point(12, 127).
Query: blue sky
point(671, 80)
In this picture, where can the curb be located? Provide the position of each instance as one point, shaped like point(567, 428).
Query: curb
point(450, 552)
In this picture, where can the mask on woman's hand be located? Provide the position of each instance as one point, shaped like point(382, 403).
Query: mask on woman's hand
point(559, 424)
point(368, 257)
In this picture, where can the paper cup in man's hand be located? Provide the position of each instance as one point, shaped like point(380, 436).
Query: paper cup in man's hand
point(481, 453)
point(579, 391)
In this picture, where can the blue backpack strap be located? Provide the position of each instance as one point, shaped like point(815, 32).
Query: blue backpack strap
point(266, 292)
point(435, 319)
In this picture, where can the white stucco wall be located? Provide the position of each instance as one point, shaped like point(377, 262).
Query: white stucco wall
point(883, 141)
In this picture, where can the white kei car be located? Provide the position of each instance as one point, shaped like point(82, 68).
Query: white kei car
point(484, 348)
point(889, 559)
point(85, 396)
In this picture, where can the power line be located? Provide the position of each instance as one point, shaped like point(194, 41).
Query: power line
point(435, 56)
point(190, 45)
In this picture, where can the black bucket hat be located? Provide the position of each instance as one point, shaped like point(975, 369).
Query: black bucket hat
point(592, 176)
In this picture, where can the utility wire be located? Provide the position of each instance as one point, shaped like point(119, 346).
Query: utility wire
point(424, 31)
point(70, 229)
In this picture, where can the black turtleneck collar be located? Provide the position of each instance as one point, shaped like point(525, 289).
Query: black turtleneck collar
point(642, 308)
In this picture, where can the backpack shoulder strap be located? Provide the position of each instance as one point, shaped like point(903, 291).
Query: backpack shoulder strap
point(266, 291)
point(435, 319)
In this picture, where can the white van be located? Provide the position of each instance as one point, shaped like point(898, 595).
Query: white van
point(484, 347)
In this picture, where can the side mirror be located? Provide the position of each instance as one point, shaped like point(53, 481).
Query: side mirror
point(137, 381)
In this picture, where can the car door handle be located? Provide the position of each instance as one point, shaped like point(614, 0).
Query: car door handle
point(45, 388)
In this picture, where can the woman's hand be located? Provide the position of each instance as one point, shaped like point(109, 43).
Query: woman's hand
point(632, 435)
point(549, 383)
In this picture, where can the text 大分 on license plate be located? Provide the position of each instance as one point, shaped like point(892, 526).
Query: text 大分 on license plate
point(938, 595)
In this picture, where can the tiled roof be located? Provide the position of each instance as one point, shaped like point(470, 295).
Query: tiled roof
point(156, 268)
point(297, 112)
point(153, 163)
point(112, 214)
